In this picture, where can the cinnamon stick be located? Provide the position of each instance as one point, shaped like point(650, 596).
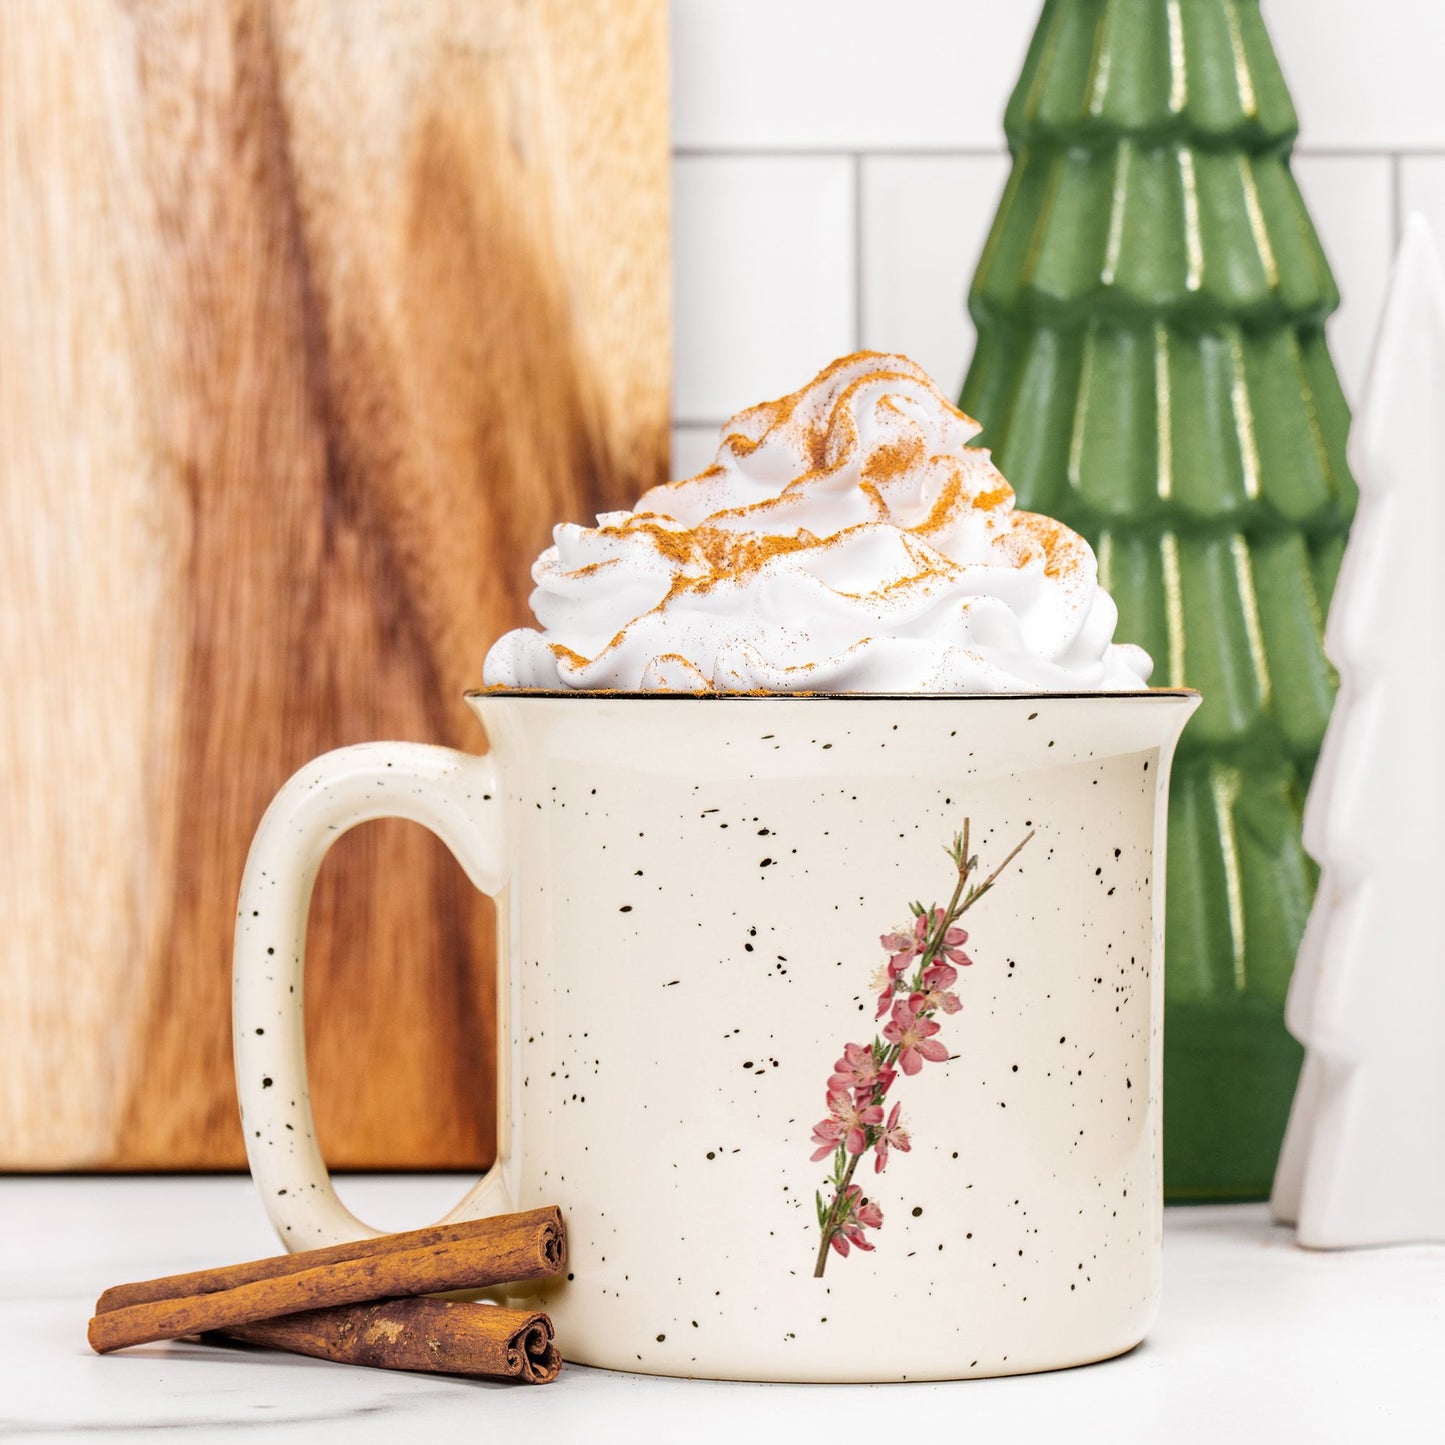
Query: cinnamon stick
point(494, 1233)
point(438, 1336)
point(472, 1255)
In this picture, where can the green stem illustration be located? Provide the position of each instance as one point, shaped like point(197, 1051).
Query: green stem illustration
point(886, 1056)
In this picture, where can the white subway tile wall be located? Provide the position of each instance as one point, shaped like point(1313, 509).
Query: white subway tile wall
point(1351, 200)
point(838, 162)
point(693, 448)
point(925, 219)
point(1364, 76)
point(851, 75)
point(1422, 189)
point(765, 276)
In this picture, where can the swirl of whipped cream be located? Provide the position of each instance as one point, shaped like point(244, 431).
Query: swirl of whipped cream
point(846, 539)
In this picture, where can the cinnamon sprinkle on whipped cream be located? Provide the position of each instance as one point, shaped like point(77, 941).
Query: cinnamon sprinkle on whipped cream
point(846, 539)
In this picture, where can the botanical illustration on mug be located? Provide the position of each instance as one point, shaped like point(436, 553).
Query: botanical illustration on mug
point(915, 984)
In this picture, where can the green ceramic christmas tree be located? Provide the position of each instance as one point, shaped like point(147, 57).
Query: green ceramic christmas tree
point(1151, 369)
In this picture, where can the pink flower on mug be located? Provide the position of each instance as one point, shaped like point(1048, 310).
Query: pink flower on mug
point(855, 1215)
point(860, 1070)
point(912, 1035)
point(915, 984)
point(847, 1125)
point(903, 945)
point(891, 1135)
point(889, 980)
point(934, 996)
point(952, 949)
point(934, 999)
point(940, 975)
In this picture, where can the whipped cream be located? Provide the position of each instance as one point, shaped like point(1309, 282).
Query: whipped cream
point(846, 539)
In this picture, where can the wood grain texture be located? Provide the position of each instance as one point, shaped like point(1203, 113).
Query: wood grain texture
point(316, 317)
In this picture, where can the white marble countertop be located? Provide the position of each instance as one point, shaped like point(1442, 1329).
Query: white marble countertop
point(1258, 1341)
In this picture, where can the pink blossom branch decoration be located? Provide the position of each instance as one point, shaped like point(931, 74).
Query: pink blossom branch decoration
point(915, 985)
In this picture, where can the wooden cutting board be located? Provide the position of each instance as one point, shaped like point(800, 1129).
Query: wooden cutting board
point(317, 317)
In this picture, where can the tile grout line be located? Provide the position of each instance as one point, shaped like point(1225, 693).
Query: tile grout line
point(1397, 201)
point(1366, 152)
point(1362, 153)
point(1302, 151)
point(739, 153)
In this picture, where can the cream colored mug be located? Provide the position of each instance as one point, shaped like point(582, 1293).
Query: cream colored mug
point(788, 1144)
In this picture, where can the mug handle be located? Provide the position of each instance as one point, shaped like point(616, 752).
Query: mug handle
point(456, 795)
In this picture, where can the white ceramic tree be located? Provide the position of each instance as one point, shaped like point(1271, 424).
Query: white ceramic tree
point(1364, 1155)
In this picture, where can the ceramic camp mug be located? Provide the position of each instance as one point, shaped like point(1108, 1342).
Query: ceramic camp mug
point(690, 894)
